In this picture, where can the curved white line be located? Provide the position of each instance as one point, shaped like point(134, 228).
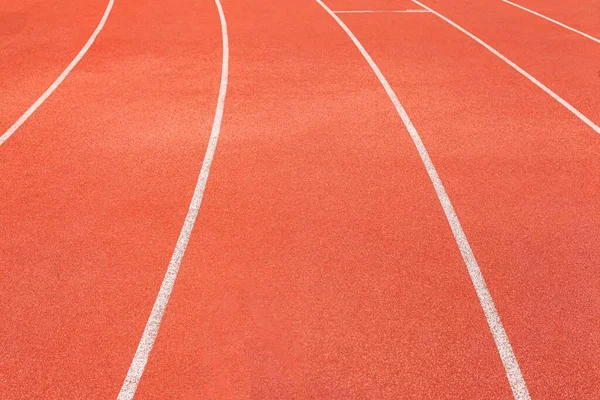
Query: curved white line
point(553, 21)
point(539, 84)
point(138, 364)
point(511, 366)
point(58, 80)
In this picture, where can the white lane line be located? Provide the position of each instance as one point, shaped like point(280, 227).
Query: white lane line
point(553, 21)
point(138, 364)
point(58, 80)
point(539, 84)
point(511, 366)
point(380, 11)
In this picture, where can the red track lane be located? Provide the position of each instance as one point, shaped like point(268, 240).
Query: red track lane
point(94, 189)
point(523, 175)
point(321, 264)
point(371, 5)
point(583, 15)
point(566, 62)
point(37, 41)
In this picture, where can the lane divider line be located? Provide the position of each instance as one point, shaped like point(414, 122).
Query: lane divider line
point(553, 21)
point(140, 359)
point(539, 84)
point(413, 10)
point(507, 356)
point(13, 128)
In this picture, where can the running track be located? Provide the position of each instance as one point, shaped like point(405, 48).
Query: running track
point(323, 262)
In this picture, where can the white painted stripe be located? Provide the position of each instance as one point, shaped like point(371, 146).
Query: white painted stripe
point(140, 358)
point(60, 78)
point(553, 21)
point(539, 84)
point(380, 11)
point(511, 366)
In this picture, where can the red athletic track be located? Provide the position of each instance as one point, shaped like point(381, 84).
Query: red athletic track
point(566, 62)
point(95, 186)
point(321, 264)
point(582, 15)
point(38, 39)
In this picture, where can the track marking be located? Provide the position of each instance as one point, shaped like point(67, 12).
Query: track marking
point(553, 21)
point(539, 84)
point(58, 80)
point(138, 364)
point(511, 366)
point(380, 11)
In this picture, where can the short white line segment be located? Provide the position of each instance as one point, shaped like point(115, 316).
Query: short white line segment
point(58, 80)
point(539, 84)
point(511, 366)
point(553, 21)
point(380, 11)
point(146, 343)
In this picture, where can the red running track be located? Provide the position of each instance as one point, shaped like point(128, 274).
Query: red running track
point(95, 186)
point(569, 64)
point(582, 16)
point(521, 171)
point(321, 264)
point(37, 41)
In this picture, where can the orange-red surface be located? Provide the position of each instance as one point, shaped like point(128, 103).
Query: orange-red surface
point(94, 188)
point(582, 15)
point(522, 172)
point(321, 264)
point(568, 63)
point(38, 39)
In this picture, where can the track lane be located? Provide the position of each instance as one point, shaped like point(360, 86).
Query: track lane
point(583, 15)
point(545, 17)
point(520, 171)
point(566, 62)
point(370, 5)
point(93, 193)
point(144, 348)
point(321, 264)
point(505, 351)
point(37, 41)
